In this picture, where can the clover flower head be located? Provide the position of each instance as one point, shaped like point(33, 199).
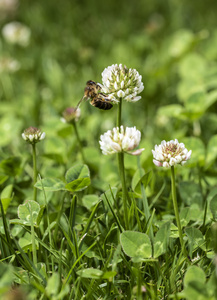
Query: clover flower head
point(121, 82)
point(9, 64)
point(70, 115)
point(8, 5)
point(121, 140)
point(170, 153)
point(33, 135)
point(16, 33)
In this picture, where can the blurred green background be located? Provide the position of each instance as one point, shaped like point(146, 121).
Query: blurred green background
point(172, 44)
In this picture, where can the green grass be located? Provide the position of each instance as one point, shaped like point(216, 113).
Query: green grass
point(72, 242)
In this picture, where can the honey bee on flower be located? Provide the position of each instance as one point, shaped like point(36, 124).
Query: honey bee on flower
point(120, 82)
point(98, 99)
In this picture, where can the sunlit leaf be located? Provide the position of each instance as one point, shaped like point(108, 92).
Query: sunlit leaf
point(211, 150)
point(172, 110)
point(25, 242)
point(90, 273)
point(78, 184)
point(6, 196)
point(6, 275)
point(161, 239)
point(180, 42)
point(136, 244)
point(194, 284)
point(90, 200)
point(53, 284)
point(187, 87)
point(192, 66)
point(50, 184)
point(77, 172)
point(30, 209)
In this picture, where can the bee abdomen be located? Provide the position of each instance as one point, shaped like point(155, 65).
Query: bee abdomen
point(101, 103)
point(104, 105)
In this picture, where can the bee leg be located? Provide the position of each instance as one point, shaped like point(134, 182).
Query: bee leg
point(79, 103)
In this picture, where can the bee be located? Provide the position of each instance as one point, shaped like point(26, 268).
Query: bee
point(100, 101)
point(93, 91)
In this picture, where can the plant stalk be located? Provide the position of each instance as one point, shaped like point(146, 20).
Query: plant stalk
point(34, 254)
point(48, 227)
point(79, 140)
point(34, 172)
point(124, 188)
point(122, 170)
point(119, 113)
point(175, 205)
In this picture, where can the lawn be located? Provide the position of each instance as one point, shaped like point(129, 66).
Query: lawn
point(108, 150)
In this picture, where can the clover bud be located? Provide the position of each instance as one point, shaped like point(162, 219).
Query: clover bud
point(70, 115)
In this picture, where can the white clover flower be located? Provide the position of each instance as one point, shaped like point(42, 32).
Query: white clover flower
point(170, 153)
point(121, 140)
point(33, 135)
point(16, 33)
point(8, 64)
point(196, 258)
point(121, 82)
point(8, 5)
point(71, 114)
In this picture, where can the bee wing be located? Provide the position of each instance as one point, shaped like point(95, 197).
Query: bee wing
point(104, 97)
point(99, 86)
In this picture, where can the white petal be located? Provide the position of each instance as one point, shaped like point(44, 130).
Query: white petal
point(166, 164)
point(189, 155)
point(137, 152)
point(115, 146)
point(135, 99)
point(24, 136)
point(120, 94)
point(42, 136)
point(173, 161)
point(157, 163)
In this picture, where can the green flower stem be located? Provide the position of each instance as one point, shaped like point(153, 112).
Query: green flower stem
point(34, 254)
point(175, 205)
point(124, 188)
point(79, 140)
point(34, 171)
point(119, 113)
point(122, 170)
point(48, 227)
